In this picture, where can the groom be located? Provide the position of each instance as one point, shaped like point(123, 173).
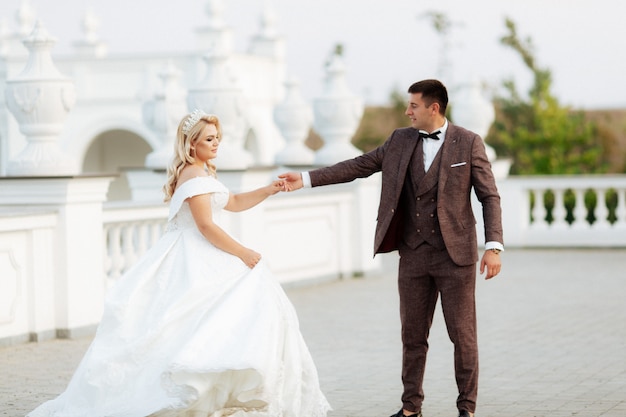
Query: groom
point(428, 172)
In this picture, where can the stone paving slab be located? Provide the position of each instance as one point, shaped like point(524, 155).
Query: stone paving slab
point(552, 335)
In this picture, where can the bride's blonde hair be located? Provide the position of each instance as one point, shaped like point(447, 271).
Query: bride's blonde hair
point(182, 150)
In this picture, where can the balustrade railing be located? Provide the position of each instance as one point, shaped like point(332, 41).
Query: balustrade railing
point(564, 210)
point(129, 231)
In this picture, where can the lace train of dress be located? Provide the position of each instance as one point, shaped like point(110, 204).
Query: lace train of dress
point(190, 331)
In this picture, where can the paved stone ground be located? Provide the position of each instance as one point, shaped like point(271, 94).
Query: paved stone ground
point(552, 334)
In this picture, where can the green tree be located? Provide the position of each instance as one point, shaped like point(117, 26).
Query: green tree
point(536, 132)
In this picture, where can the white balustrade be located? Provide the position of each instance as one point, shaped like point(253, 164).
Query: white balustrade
point(129, 231)
point(531, 220)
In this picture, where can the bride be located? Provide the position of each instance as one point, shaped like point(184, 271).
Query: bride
point(199, 326)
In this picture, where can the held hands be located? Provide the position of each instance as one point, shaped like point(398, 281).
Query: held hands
point(491, 263)
point(292, 180)
point(276, 186)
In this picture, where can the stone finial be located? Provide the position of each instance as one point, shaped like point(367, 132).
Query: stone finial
point(91, 45)
point(25, 17)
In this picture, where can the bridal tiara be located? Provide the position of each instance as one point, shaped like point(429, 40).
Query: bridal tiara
point(193, 118)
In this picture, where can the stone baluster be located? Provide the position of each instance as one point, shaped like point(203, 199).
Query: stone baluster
point(294, 118)
point(40, 99)
point(162, 115)
point(337, 116)
point(219, 93)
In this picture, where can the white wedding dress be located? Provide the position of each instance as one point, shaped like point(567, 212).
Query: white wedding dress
point(191, 331)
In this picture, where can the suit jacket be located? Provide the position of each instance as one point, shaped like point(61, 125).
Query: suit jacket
point(464, 165)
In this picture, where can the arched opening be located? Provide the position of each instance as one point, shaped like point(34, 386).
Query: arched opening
point(111, 152)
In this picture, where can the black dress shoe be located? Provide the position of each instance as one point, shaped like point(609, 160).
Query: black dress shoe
point(401, 414)
point(464, 413)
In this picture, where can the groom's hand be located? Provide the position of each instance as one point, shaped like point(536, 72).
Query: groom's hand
point(293, 180)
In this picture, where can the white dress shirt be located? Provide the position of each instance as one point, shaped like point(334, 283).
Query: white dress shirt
point(432, 146)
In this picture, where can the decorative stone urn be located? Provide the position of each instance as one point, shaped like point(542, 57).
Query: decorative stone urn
point(294, 118)
point(473, 111)
point(163, 115)
point(40, 99)
point(337, 116)
point(220, 94)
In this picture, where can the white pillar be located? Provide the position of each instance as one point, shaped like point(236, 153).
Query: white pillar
point(78, 271)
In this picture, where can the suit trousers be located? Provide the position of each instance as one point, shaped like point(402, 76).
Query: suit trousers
point(425, 273)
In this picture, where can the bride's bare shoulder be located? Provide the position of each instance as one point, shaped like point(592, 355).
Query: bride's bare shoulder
point(190, 172)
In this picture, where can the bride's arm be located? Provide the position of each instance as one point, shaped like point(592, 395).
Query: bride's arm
point(244, 201)
point(200, 206)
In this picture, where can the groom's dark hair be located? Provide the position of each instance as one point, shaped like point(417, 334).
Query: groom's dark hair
point(432, 91)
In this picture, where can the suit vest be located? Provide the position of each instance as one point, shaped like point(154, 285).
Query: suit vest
point(419, 199)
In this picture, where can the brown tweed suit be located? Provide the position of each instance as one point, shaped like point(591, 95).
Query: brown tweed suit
point(428, 269)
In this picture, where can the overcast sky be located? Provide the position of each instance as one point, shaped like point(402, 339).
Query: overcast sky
point(388, 44)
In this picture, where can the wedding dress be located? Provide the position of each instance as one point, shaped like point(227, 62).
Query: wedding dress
point(191, 331)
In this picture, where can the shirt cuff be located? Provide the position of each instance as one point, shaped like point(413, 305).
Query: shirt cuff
point(494, 245)
point(306, 180)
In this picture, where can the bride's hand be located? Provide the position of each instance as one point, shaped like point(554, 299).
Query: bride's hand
point(276, 186)
point(250, 258)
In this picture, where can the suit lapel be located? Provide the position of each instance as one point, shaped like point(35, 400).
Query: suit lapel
point(408, 149)
point(448, 149)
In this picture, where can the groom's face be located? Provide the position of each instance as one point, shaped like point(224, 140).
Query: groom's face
point(420, 114)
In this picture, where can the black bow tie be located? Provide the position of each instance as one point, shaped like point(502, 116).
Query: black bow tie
point(433, 135)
